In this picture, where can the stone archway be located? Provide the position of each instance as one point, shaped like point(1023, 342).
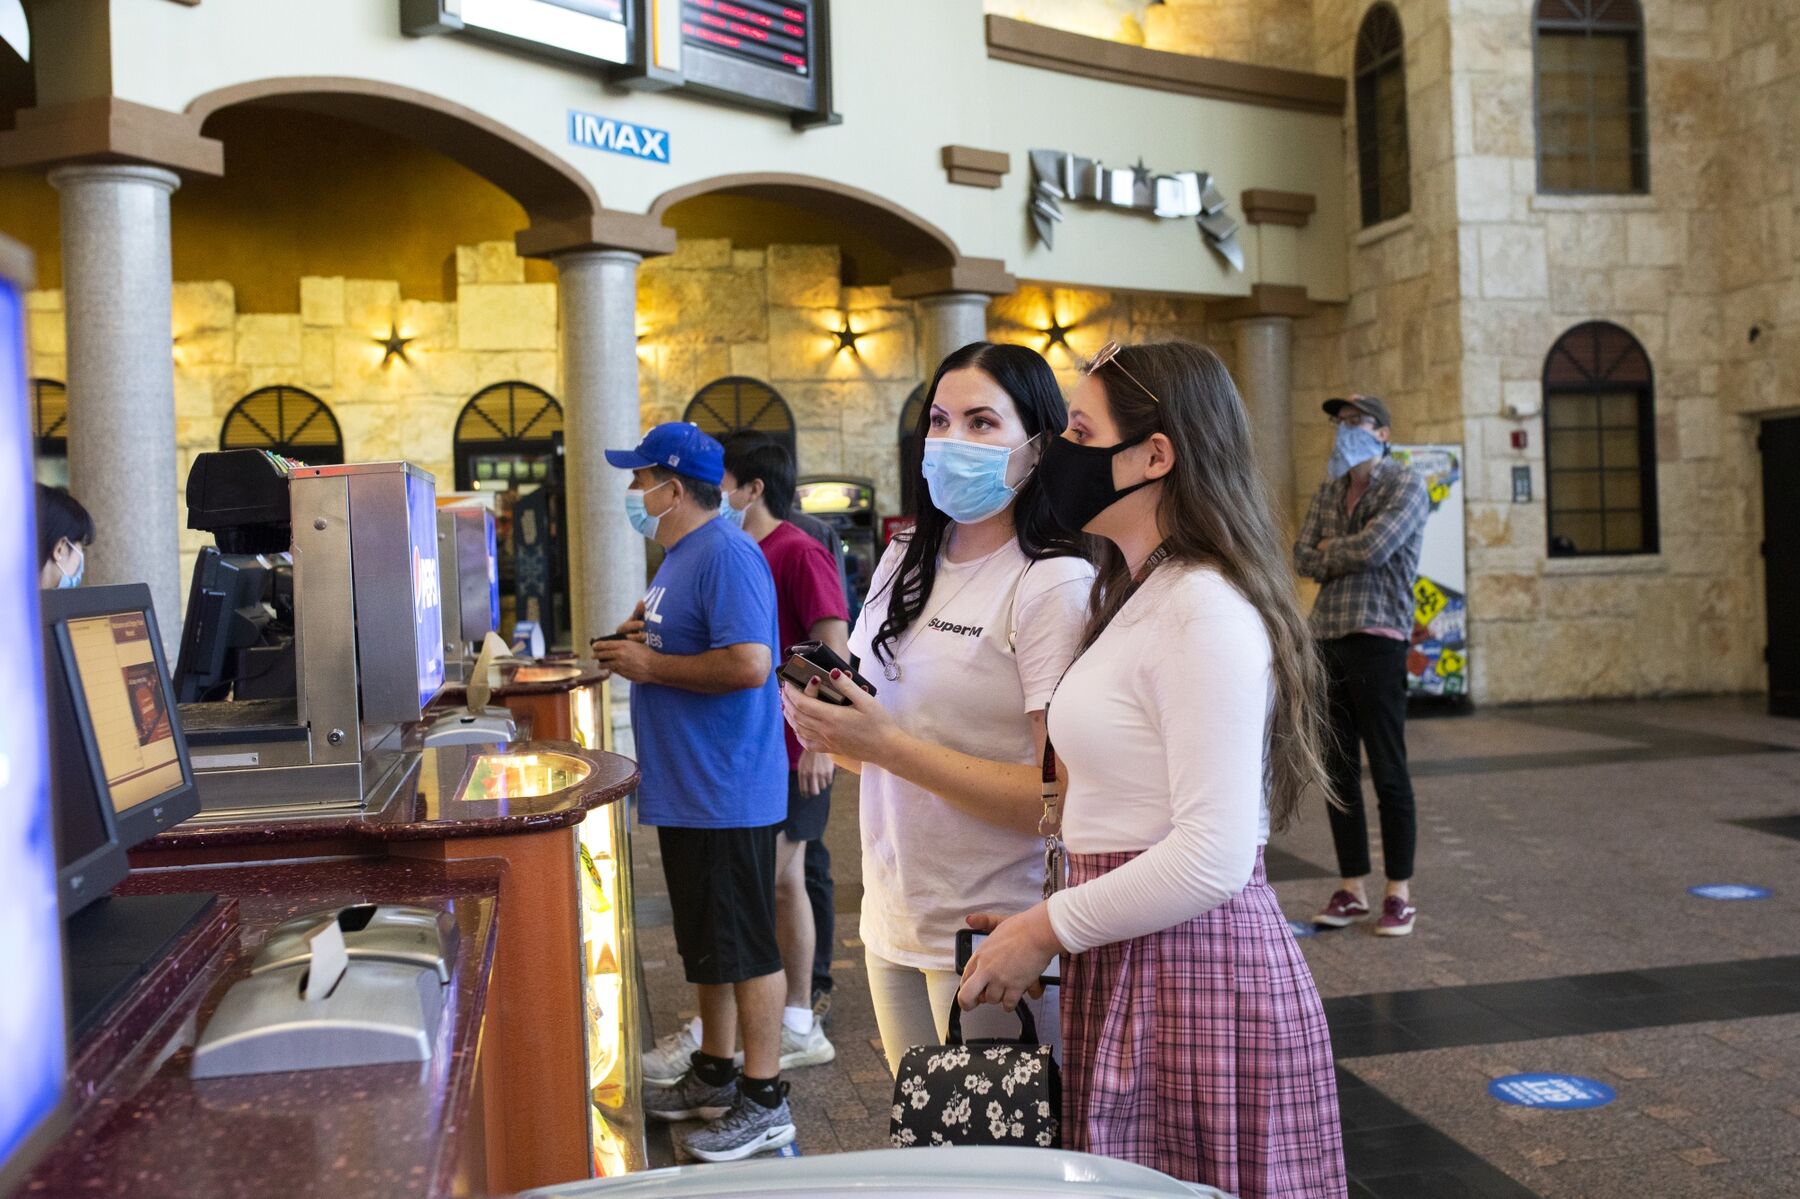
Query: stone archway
point(929, 261)
point(563, 208)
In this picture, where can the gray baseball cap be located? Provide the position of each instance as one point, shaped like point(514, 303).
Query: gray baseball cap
point(1368, 405)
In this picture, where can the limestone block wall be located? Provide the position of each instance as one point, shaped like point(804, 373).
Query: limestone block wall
point(1718, 217)
point(502, 328)
point(1398, 336)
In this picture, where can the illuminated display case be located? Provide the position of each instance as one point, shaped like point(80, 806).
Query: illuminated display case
point(611, 983)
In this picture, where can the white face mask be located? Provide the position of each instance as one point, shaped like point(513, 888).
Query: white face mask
point(733, 514)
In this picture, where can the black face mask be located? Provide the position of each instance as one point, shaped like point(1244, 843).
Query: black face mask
point(1078, 480)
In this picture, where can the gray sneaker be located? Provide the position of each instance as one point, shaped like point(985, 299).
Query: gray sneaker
point(689, 1099)
point(747, 1129)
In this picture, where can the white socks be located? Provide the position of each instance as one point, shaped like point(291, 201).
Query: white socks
point(799, 1019)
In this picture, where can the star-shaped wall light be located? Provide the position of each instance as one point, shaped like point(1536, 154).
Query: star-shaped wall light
point(846, 337)
point(393, 346)
point(1056, 334)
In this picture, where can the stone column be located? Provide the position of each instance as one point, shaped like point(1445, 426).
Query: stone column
point(948, 322)
point(121, 375)
point(1265, 380)
point(598, 310)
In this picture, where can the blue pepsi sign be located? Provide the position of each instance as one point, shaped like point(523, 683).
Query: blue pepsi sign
point(618, 137)
point(1729, 891)
point(1564, 1092)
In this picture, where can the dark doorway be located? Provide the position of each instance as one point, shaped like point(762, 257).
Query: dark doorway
point(1780, 445)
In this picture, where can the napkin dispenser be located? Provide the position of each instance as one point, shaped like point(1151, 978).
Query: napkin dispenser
point(424, 938)
point(379, 1012)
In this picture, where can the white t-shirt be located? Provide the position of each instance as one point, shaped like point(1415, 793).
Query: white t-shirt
point(1162, 727)
point(988, 649)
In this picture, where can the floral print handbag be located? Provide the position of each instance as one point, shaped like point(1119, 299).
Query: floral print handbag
point(979, 1092)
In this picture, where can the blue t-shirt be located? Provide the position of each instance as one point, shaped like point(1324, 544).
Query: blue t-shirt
point(710, 761)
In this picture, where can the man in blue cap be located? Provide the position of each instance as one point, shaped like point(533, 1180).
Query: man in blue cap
point(699, 652)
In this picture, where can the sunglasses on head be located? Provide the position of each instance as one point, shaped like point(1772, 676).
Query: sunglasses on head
point(1109, 354)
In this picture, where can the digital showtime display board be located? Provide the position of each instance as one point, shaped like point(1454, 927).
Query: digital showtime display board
point(771, 54)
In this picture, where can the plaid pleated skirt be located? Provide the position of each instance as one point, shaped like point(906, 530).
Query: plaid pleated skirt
point(1202, 1051)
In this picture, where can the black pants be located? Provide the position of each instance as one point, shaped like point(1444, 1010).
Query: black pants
point(822, 894)
point(1366, 690)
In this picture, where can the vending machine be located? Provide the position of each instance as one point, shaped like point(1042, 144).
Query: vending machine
point(1437, 667)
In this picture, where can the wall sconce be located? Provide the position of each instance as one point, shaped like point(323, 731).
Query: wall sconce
point(393, 346)
point(1056, 334)
point(846, 337)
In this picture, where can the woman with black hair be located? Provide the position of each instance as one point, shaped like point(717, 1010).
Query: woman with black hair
point(972, 617)
point(65, 530)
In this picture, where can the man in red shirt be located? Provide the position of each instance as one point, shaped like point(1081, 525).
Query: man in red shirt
point(810, 604)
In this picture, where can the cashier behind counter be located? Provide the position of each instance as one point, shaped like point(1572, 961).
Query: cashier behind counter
point(65, 530)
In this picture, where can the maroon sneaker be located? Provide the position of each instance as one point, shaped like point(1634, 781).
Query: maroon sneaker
point(1396, 917)
point(1344, 910)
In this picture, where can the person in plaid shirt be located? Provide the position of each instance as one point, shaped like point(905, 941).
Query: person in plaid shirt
point(1360, 541)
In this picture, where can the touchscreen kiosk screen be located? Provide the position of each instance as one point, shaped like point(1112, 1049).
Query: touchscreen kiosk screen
point(127, 705)
point(428, 616)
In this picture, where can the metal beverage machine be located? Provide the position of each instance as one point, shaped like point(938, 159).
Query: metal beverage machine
point(368, 636)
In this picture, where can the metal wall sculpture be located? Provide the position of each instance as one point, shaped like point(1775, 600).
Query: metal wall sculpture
point(1057, 176)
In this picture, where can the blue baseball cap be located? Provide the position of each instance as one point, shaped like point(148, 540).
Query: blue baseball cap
point(677, 446)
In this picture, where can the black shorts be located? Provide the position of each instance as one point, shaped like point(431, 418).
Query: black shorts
point(722, 892)
point(807, 814)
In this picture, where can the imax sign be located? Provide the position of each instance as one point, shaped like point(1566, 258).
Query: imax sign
point(618, 137)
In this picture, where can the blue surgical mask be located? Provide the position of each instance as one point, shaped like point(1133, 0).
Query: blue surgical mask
point(640, 519)
point(967, 479)
point(734, 515)
point(73, 580)
point(1354, 446)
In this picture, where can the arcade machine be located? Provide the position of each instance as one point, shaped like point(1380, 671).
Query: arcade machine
point(34, 1035)
point(847, 505)
point(367, 633)
point(119, 776)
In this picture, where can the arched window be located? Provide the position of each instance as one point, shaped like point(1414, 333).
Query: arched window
point(507, 436)
point(1591, 134)
point(736, 404)
point(1599, 443)
point(912, 446)
point(50, 424)
point(1383, 158)
point(287, 421)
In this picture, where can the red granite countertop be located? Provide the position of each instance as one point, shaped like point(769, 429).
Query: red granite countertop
point(144, 1129)
point(534, 678)
point(435, 804)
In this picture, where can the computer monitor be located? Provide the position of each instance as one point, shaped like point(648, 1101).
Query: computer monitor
point(237, 640)
point(34, 1030)
point(124, 704)
point(90, 861)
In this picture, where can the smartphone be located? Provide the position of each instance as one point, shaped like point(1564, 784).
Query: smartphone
point(966, 941)
point(612, 637)
point(811, 660)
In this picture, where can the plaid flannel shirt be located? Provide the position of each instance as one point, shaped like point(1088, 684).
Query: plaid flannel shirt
point(1372, 553)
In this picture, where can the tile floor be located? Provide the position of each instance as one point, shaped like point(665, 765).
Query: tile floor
point(1557, 934)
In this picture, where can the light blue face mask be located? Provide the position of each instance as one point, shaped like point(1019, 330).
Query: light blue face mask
point(734, 515)
point(640, 519)
point(1354, 446)
point(967, 479)
point(73, 580)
